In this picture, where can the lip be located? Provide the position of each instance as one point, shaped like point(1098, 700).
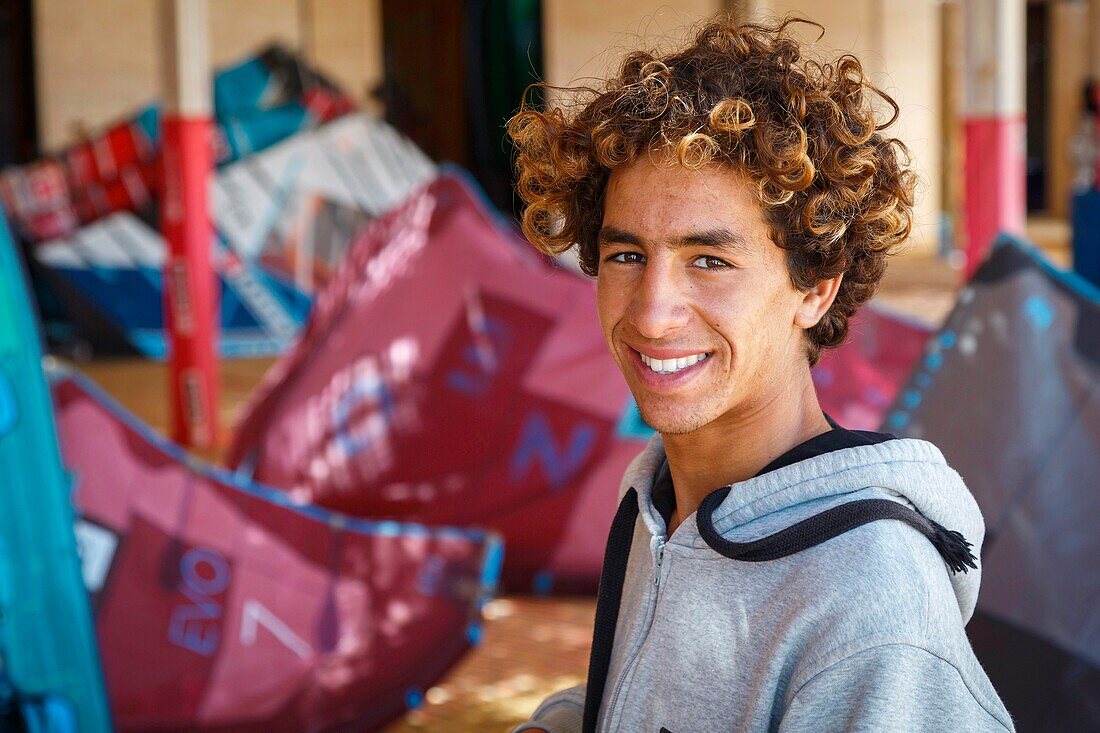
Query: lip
point(665, 382)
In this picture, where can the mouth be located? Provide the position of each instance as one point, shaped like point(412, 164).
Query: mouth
point(671, 366)
point(668, 372)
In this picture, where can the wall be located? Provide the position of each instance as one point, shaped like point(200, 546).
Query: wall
point(98, 60)
point(584, 39)
point(898, 42)
point(1068, 47)
point(92, 62)
point(344, 39)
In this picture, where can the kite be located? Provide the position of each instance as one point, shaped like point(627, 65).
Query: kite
point(221, 604)
point(448, 371)
point(1010, 392)
point(857, 381)
point(49, 666)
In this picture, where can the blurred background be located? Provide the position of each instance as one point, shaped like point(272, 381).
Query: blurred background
point(341, 450)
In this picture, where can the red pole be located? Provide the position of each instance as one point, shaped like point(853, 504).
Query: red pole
point(190, 301)
point(995, 125)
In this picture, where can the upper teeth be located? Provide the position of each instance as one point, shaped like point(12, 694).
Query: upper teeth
point(671, 366)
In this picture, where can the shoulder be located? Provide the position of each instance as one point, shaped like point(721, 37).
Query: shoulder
point(896, 686)
point(880, 583)
point(888, 610)
point(883, 576)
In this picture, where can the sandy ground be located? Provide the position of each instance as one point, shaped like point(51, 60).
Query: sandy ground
point(530, 647)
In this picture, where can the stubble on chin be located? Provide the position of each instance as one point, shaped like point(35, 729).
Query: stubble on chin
point(687, 421)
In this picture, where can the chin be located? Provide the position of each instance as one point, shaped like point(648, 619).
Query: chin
point(674, 421)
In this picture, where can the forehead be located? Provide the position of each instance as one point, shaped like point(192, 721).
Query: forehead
point(658, 199)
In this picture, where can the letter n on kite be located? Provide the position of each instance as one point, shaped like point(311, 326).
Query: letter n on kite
point(536, 443)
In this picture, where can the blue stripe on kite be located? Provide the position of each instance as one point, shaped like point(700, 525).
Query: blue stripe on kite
point(631, 425)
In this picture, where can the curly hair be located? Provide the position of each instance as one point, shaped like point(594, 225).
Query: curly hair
point(837, 194)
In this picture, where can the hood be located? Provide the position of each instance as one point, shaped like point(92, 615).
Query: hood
point(910, 471)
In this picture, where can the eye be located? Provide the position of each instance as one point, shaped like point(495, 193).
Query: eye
point(628, 258)
point(710, 263)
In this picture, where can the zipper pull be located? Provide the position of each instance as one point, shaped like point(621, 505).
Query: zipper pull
point(659, 555)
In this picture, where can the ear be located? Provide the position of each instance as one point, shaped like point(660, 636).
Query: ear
point(816, 302)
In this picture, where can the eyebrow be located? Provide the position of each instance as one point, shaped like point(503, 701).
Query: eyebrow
point(719, 238)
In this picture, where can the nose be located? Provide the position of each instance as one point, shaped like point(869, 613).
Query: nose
point(660, 303)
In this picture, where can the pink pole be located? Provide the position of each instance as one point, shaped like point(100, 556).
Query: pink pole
point(190, 301)
point(995, 198)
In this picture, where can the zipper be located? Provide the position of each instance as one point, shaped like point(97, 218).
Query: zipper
point(658, 555)
point(651, 612)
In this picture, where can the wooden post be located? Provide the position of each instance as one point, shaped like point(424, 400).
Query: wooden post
point(995, 192)
point(1094, 75)
point(951, 115)
point(190, 301)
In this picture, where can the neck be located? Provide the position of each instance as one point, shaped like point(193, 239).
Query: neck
point(737, 445)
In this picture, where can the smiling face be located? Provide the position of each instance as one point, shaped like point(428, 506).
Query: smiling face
point(694, 298)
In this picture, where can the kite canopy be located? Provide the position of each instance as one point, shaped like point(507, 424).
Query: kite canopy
point(49, 668)
point(857, 382)
point(449, 374)
point(293, 206)
point(221, 605)
point(257, 102)
point(1010, 392)
point(296, 207)
point(285, 215)
point(112, 271)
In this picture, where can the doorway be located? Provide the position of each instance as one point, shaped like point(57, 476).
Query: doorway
point(1037, 73)
point(18, 117)
point(455, 73)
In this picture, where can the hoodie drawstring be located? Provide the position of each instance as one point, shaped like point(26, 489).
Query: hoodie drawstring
point(952, 546)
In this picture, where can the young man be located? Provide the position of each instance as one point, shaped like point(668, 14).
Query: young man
point(767, 569)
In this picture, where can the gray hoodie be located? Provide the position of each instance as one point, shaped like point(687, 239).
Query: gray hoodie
point(863, 631)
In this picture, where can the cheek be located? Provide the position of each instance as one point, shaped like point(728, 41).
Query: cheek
point(752, 322)
point(784, 337)
point(608, 306)
point(732, 313)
